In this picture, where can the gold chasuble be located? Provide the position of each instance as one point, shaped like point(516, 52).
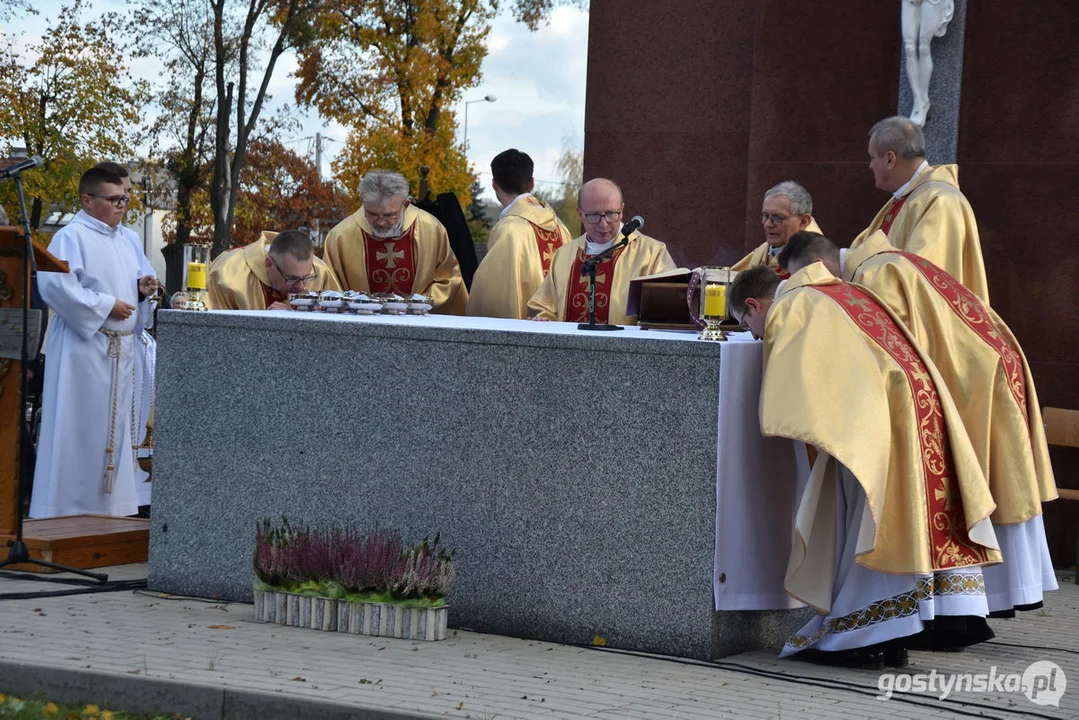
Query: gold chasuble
point(763, 256)
point(563, 295)
point(520, 249)
point(933, 219)
point(238, 279)
point(841, 374)
point(417, 261)
point(981, 363)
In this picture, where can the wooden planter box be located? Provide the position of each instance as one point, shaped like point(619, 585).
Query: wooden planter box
point(378, 619)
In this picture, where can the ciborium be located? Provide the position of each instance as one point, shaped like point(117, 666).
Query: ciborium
point(707, 299)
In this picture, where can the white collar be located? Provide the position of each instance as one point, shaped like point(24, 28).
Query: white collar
point(592, 248)
point(84, 218)
point(903, 189)
point(512, 203)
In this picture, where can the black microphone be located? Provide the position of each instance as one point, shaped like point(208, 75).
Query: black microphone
point(27, 164)
point(635, 224)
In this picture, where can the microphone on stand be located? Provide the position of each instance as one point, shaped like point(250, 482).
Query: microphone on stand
point(27, 164)
point(636, 223)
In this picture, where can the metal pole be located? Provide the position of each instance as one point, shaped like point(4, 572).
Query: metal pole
point(318, 154)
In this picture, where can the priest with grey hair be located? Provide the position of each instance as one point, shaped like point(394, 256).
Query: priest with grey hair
point(787, 208)
point(927, 214)
point(391, 246)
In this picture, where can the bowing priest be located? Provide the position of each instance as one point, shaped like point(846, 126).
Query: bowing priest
point(893, 527)
point(787, 208)
point(989, 379)
point(86, 446)
point(389, 245)
point(927, 214)
point(261, 275)
point(521, 244)
point(564, 293)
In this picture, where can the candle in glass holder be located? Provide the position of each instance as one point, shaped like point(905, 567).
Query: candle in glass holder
point(715, 301)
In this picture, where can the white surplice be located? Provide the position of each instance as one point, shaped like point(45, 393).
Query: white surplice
point(870, 607)
point(145, 366)
point(88, 396)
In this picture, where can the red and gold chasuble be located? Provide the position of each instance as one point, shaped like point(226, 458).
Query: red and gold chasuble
point(547, 241)
point(577, 297)
point(391, 262)
point(271, 296)
point(972, 311)
point(893, 211)
point(950, 547)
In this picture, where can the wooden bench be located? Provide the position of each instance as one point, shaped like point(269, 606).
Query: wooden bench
point(1062, 428)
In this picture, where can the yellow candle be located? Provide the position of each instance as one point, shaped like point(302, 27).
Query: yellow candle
point(196, 276)
point(715, 301)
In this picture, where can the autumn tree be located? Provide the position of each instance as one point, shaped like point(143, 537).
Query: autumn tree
point(562, 196)
point(281, 190)
point(74, 105)
point(8, 8)
point(180, 33)
point(389, 71)
point(244, 33)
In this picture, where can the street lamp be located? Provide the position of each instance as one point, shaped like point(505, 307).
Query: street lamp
point(485, 98)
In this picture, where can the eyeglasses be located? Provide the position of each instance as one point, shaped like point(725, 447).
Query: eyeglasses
point(379, 217)
point(116, 200)
point(765, 217)
point(291, 280)
point(610, 216)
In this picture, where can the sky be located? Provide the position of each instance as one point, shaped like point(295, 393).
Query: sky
point(538, 80)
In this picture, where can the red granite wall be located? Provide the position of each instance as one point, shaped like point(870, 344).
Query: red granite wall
point(696, 118)
point(1018, 158)
point(696, 108)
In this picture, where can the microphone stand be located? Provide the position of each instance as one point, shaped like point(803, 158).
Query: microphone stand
point(19, 554)
point(588, 267)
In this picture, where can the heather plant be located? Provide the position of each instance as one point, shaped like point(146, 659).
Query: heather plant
point(344, 563)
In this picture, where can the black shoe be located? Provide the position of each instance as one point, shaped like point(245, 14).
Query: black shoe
point(866, 659)
point(896, 657)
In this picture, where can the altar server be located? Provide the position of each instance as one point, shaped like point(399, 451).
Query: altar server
point(85, 460)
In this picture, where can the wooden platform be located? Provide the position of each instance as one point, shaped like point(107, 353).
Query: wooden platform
point(83, 541)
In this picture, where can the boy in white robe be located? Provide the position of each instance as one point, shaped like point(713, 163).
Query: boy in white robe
point(85, 458)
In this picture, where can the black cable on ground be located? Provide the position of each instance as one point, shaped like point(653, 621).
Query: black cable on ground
point(1033, 647)
point(830, 684)
point(112, 586)
point(143, 592)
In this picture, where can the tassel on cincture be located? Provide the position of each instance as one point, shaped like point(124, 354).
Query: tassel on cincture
point(108, 478)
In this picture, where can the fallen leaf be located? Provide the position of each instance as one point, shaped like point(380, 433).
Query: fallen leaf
point(460, 706)
point(299, 679)
point(599, 640)
point(221, 627)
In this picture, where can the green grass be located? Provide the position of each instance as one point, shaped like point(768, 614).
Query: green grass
point(30, 709)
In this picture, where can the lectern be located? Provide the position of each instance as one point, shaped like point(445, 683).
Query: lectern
point(79, 541)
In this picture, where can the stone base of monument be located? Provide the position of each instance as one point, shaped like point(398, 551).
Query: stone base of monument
point(372, 618)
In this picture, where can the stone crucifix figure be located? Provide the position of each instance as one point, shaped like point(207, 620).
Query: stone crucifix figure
point(922, 21)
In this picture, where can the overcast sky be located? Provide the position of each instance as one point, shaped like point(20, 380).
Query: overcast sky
point(538, 80)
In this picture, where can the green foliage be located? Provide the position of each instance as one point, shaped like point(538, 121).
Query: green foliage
point(72, 101)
